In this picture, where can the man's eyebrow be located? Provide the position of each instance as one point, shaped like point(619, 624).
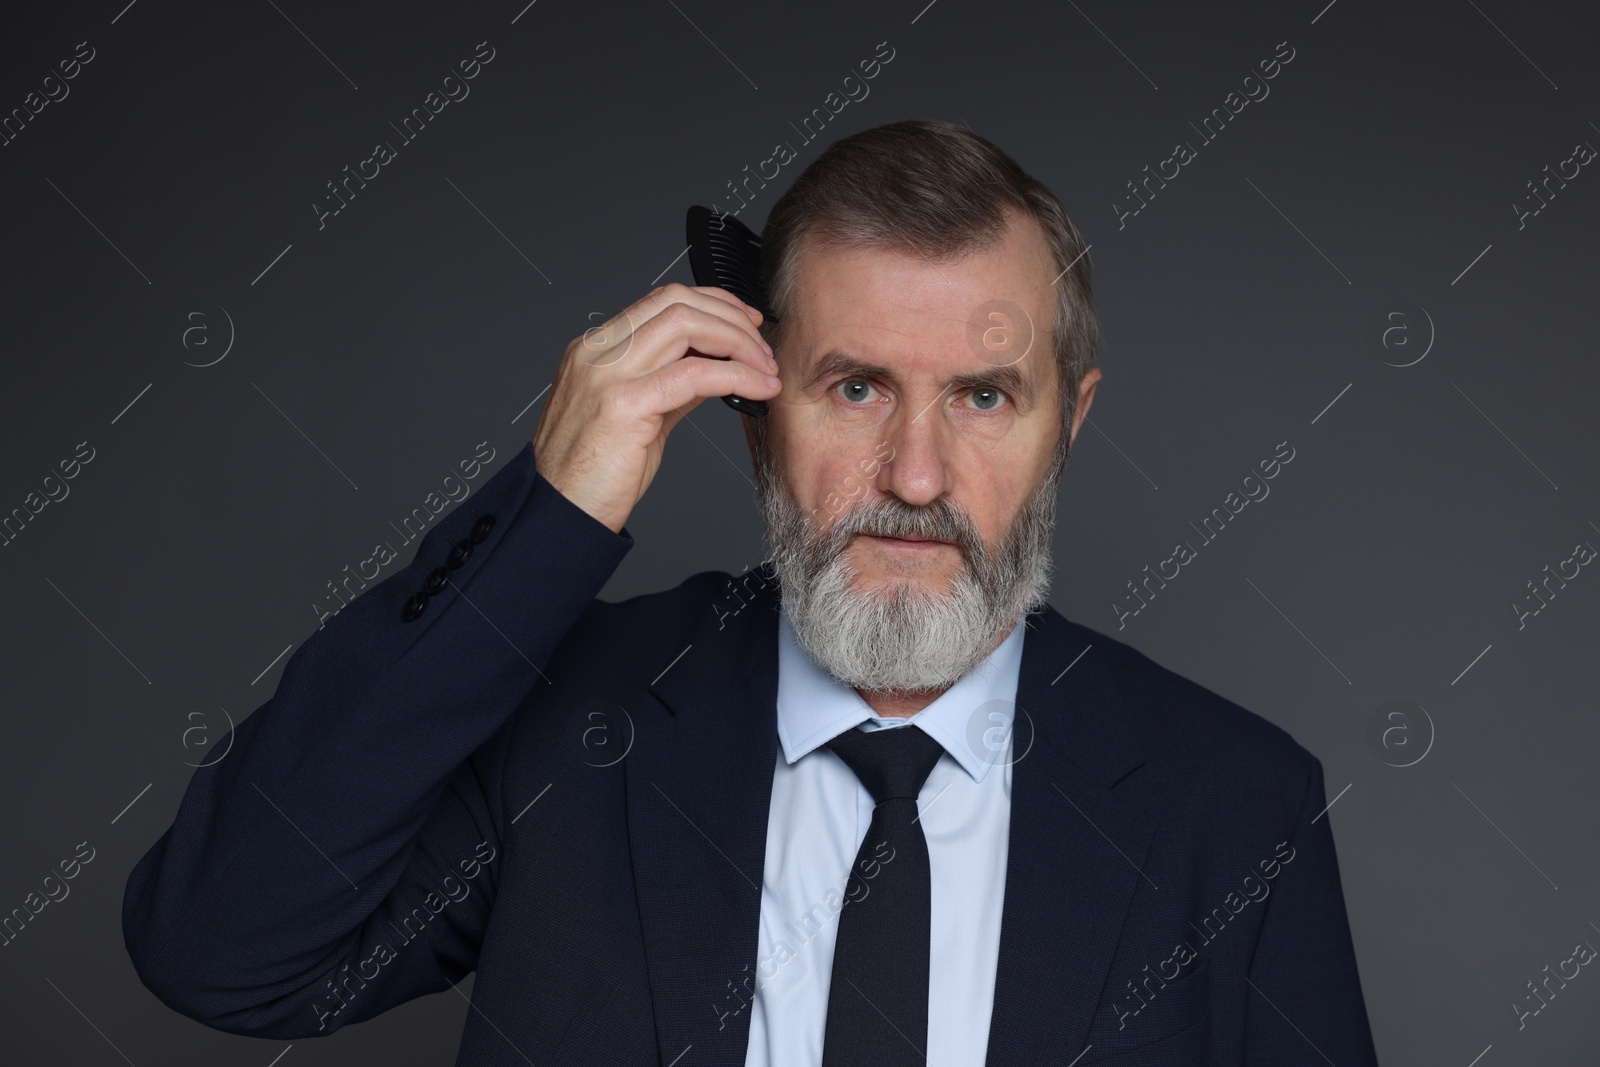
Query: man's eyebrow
point(1006, 377)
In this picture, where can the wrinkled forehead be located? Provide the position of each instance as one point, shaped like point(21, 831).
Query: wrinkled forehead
point(985, 308)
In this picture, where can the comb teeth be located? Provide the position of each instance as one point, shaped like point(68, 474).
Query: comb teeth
point(735, 261)
point(725, 252)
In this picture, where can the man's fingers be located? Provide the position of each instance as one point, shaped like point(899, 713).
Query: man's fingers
point(708, 298)
point(695, 378)
point(681, 328)
point(622, 386)
point(724, 294)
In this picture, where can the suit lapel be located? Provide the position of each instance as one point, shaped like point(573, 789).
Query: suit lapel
point(699, 787)
point(1074, 846)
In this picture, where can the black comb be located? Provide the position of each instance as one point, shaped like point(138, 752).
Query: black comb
point(726, 253)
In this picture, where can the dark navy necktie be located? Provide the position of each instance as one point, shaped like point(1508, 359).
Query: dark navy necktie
point(878, 996)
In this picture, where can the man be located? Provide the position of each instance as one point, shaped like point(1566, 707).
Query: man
point(877, 803)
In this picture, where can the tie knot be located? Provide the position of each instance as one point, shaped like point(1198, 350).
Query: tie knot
point(892, 763)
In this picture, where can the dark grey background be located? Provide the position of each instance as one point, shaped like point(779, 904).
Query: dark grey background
point(415, 325)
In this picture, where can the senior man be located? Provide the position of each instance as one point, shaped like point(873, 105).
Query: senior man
point(875, 803)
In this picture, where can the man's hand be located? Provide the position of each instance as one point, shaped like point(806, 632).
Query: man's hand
point(622, 387)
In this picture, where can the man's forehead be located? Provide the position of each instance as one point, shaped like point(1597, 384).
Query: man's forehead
point(898, 281)
point(984, 309)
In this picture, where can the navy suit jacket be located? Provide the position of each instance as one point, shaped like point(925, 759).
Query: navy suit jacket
point(569, 797)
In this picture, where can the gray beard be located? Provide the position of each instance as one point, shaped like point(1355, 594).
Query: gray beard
point(907, 637)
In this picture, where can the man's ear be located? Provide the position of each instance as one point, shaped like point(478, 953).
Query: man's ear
point(1086, 387)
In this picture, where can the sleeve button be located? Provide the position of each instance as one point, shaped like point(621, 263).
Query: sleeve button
point(437, 580)
point(481, 528)
point(415, 607)
point(459, 554)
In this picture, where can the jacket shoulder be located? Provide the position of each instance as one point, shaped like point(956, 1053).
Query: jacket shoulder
point(1183, 725)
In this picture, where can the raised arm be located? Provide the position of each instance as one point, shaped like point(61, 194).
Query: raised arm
point(341, 858)
point(358, 793)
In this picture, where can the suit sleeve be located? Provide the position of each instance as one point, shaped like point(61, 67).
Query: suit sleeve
point(1304, 1000)
point(342, 857)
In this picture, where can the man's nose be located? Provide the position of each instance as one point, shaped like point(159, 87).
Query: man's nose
point(919, 473)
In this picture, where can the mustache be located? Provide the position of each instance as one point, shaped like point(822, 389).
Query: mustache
point(889, 517)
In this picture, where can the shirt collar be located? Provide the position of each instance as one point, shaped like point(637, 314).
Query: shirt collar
point(814, 707)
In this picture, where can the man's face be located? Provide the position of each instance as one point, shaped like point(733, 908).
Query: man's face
point(907, 409)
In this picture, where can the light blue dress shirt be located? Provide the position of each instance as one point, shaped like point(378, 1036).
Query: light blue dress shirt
point(818, 818)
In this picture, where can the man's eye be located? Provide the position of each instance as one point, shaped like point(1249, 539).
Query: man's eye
point(854, 389)
point(986, 399)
